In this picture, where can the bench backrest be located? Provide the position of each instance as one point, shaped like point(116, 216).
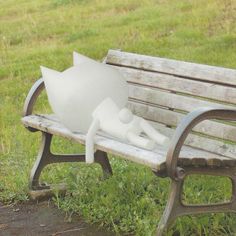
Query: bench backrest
point(163, 91)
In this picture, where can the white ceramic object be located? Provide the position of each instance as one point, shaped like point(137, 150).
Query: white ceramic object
point(75, 93)
point(122, 124)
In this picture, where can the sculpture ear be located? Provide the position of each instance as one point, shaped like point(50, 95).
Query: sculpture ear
point(79, 58)
point(49, 73)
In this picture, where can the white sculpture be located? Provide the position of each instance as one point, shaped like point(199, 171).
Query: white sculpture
point(74, 93)
point(91, 96)
point(122, 124)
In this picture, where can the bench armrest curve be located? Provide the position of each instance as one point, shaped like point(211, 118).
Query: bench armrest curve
point(185, 127)
point(31, 98)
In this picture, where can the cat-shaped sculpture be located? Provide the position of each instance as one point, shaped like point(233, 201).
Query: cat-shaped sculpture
point(74, 93)
point(121, 124)
point(92, 96)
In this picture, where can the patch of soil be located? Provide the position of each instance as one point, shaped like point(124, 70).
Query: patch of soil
point(32, 219)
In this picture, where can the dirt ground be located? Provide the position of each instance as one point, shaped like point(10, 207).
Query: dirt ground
point(32, 219)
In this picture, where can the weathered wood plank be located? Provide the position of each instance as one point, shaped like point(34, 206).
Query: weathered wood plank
point(172, 118)
point(145, 157)
point(176, 84)
point(186, 69)
point(170, 100)
point(200, 142)
point(154, 159)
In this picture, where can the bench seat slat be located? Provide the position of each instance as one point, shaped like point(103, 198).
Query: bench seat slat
point(195, 71)
point(154, 159)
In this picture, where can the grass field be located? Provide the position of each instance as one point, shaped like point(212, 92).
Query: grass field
point(43, 32)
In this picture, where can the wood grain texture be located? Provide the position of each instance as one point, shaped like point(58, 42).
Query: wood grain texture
point(184, 69)
point(169, 99)
point(200, 142)
point(154, 159)
point(177, 84)
point(172, 118)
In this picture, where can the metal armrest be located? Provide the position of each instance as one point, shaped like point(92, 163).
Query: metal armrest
point(184, 128)
point(31, 98)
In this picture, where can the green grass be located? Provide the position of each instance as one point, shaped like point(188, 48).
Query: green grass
point(34, 33)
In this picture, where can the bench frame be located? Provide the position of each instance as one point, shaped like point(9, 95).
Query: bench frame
point(175, 206)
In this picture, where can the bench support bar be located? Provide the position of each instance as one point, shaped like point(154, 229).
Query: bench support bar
point(175, 206)
point(45, 157)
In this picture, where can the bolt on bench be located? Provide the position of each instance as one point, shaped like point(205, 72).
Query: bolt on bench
point(194, 98)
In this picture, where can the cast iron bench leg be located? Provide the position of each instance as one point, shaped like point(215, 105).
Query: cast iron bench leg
point(175, 207)
point(45, 157)
point(172, 207)
point(41, 161)
point(101, 158)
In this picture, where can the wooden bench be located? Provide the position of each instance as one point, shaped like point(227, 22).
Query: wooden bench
point(169, 93)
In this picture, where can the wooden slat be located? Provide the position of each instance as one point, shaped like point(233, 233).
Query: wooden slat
point(170, 100)
point(200, 142)
point(191, 70)
point(176, 84)
point(51, 125)
point(173, 118)
point(154, 159)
